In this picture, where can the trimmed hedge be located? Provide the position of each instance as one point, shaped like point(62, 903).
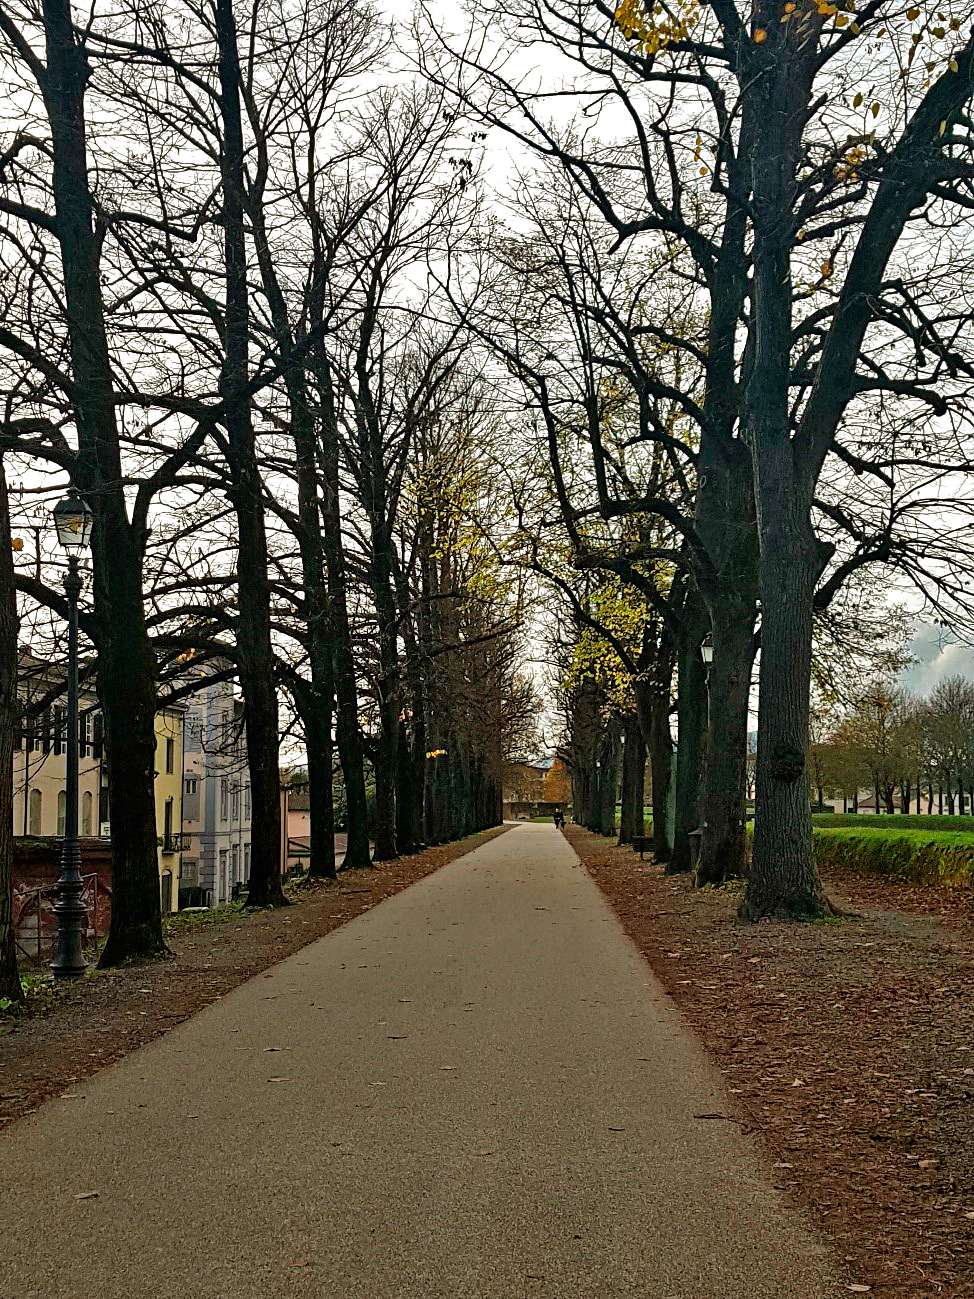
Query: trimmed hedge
point(893, 824)
point(910, 856)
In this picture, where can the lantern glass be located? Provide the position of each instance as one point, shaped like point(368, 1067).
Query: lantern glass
point(73, 518)
point(707, 650)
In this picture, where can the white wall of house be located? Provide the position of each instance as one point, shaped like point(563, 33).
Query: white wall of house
point(216, 794)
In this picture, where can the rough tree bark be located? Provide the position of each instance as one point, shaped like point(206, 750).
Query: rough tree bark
point(783, 878)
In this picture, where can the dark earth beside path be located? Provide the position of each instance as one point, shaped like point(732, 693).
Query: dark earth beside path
point(849, 1049)
point(80, 1028)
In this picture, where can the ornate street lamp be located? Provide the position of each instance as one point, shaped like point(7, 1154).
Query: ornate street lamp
point(73, 519)
point(707, 650)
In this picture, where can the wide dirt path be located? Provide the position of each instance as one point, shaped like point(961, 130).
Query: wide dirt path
point(476, 1089)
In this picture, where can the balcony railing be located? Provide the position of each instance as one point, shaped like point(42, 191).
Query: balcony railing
point(173, 843)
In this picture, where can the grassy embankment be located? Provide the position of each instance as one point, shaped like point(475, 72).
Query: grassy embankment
point(911, 849)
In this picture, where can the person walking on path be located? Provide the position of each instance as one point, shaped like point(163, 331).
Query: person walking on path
point(476, 1090)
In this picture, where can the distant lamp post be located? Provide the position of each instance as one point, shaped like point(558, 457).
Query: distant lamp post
point(707, 650)
point(73, 519)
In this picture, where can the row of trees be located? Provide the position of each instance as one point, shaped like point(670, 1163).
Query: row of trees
point(914, 753)
point(730, 288)
point(707, 371)
point(221, 324)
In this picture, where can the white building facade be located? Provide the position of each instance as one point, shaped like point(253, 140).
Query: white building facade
point(216, 798)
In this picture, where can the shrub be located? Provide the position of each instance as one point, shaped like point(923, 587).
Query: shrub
point(911, 856)
point(895, 823)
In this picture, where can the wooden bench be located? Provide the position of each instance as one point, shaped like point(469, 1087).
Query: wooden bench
point(642, 843)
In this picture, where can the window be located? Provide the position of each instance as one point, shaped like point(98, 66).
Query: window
point(170, 754)
point(224, 798)
point(189, 870)
point(62, 805)
point(246, 874)
point(190, 785)
point(235, 863)
point(235, 801)
point(86, 813)
point(167, 824)
point(60, 716)
point(85, 737)
point(36, 803)
point(223, 875)
point(246, 802)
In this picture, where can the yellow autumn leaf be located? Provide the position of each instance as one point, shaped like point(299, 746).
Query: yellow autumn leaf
point(952, 65)
point(913, 14)
point(17, 543)
point(943, 127)
point(760, 36)
point(874, 109)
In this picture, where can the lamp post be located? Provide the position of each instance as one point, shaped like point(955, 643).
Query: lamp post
point(72, 518)
point(707, 651)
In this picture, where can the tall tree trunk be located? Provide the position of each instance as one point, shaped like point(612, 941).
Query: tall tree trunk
point(405, 804)
point(387, 750)
point(126, 664)
point(316, 715)
point(723, 846)
point(784, 879)
point(255, 655)
point(318, 700)
point(351, 752)
point(608, 778)
point(633, 774)
point(410, 800)
point(661, 770)
point(691, 714)
point(9, 978)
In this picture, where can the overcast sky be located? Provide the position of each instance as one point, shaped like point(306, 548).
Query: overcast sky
point(939, 655)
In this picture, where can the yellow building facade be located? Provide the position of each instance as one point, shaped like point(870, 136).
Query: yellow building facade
point(40, 774)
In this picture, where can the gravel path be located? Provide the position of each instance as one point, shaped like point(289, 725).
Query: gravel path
point(475, 1090)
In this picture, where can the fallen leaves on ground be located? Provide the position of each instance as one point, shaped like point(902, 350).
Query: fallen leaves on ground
point(848, 1049)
